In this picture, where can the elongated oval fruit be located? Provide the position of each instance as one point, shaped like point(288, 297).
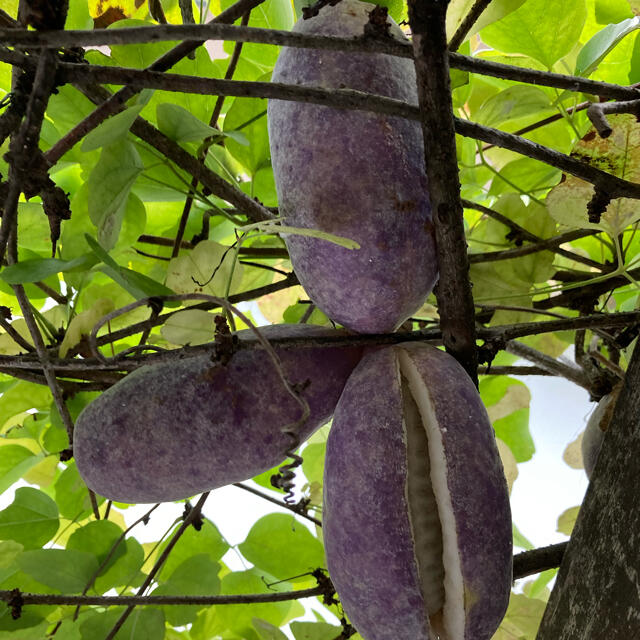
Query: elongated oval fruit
point(597, 426)
point(416, 519)
point(355, 174)
point(169, 431)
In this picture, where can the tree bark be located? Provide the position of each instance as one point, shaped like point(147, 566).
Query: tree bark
point(597, 592)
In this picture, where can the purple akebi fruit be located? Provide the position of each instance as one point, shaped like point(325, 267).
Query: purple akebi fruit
point(416, 519)
point(355, 174)
point(171, 430)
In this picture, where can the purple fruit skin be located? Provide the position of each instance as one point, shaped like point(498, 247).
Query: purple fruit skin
point(355, 174)
point(172, 430)
point(366, 528)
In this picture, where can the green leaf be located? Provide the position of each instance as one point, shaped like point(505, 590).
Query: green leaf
point(31, 519)
point(538, 587)
point(238, 618)
point(314, 631)
point(109, 186)
point(65, 570)
point(78, 16)
point(22, 396)
point(28, 627)
point(271, 14)
point(125, 571)
point(520, 540)
point(208, 540)
point(248, 116)
point(507, 402)
point(67, 107)
point(41, 268)
point(294, 313)
point(522, 618)
point(611, 11)
point(137, 284)
point(72, 494)
point(602, 43)
point(267, 631)
point(544, 30)
point(112, 130)
point(524, 175)
point(99, 538)
point(180, 125)
point(313, 461)
point(458, 10)
point(511, 104)
point(82, 324)
point(274, 532)
point(15, 461)
point(196, 576)
point(145, 623)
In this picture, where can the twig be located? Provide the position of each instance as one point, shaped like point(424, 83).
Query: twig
point(616, 187)
point(551, 244)
point(292, 507)
point(467, 24)
point(113, 549)
point(290, 281)
point(597, 113)
point(339, 98)
point(131, 601)
point(22, 152)
point(24, 145)
point(204, 149)
point(115, 103)
point(513, 370)
point(196, 34)
point(541, 123)
point(15, 335)
point(191, 516)
point(524, 234)
point(174, 152)
point(548, 363)
point(453, 291)
point(537, 560)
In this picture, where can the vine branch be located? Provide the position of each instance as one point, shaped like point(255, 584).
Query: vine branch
point(453, 291)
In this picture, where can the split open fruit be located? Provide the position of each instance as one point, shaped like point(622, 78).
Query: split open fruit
point(416, 518)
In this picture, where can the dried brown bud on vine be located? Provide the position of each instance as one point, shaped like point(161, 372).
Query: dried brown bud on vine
point(175, 429)
point(355, 174)
point(416, 519)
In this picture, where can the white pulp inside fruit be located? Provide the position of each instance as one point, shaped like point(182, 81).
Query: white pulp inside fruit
point(430, 508)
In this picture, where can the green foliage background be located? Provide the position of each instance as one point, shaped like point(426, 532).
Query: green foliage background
point(120, 189)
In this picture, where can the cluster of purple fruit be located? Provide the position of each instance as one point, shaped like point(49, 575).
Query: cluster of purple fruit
point(416, 517)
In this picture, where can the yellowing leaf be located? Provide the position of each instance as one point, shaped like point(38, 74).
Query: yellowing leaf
point(516, 397)
point(83, 323)
point(567, 520)
point(275, 304)
point(8, 346)
point(124, 7)
point(192, 326)
point(206, 269)
point(619, 154)
point(509, 463)
point(573, 453)
point(43, 473)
